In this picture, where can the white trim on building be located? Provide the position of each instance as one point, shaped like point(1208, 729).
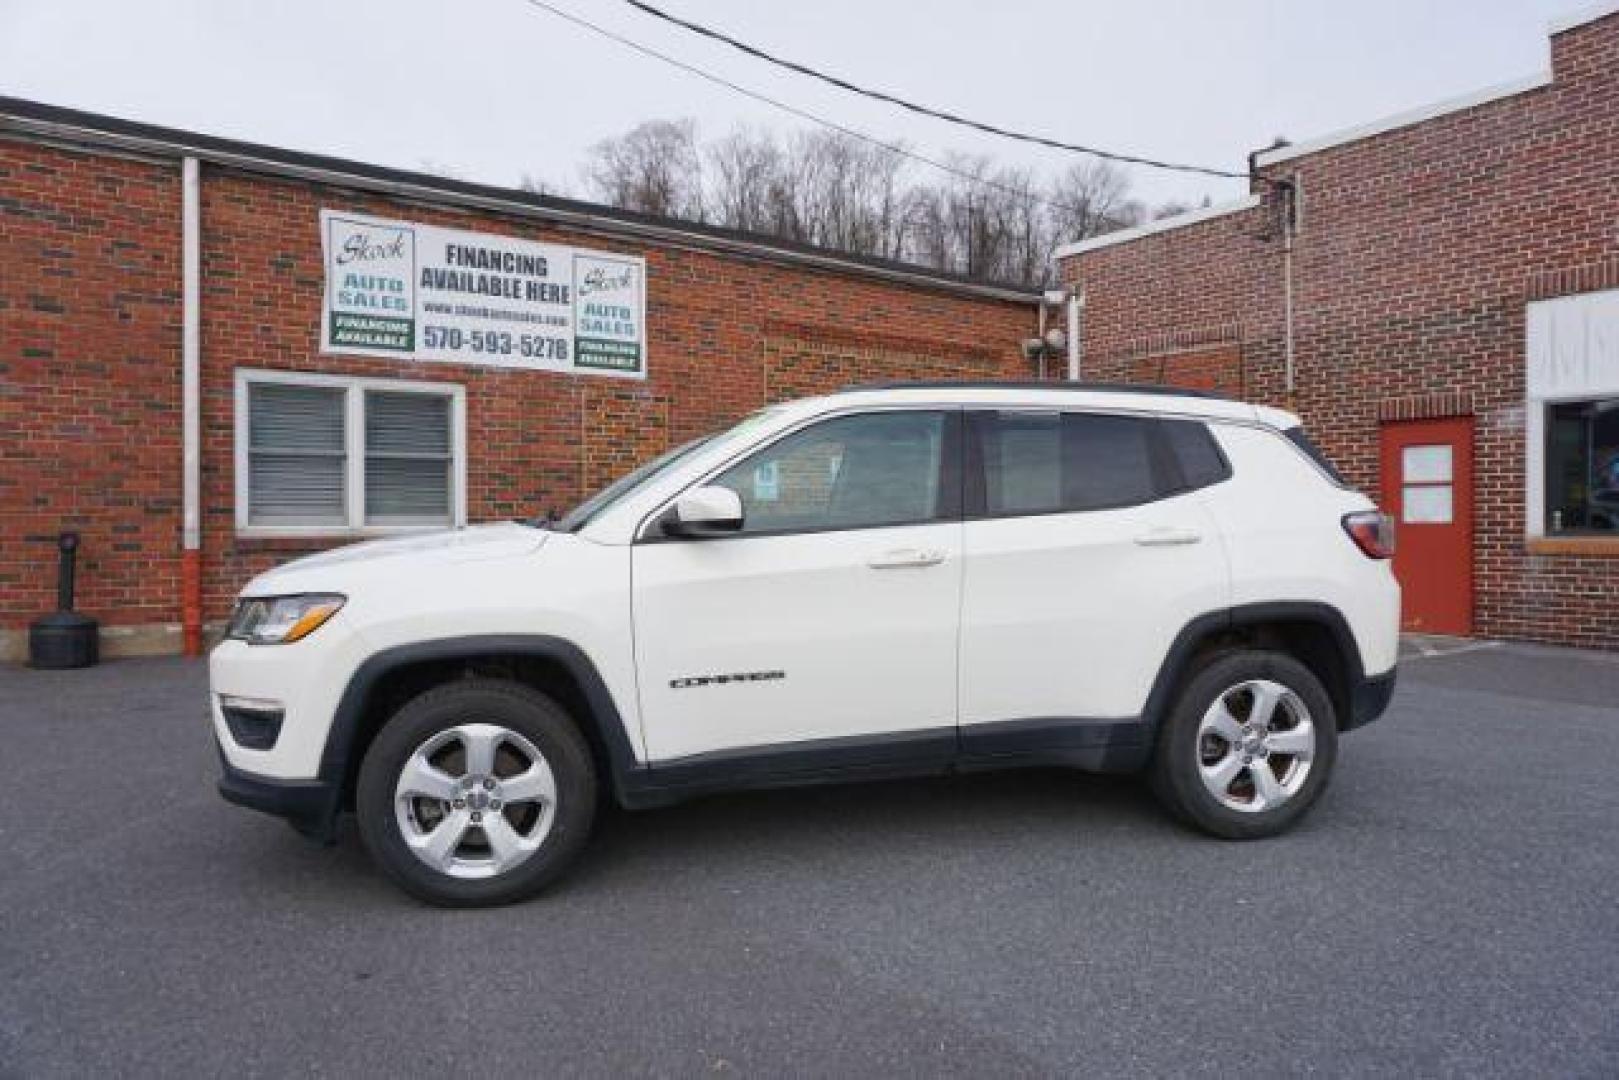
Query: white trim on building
point(1424, 113)
point(1585, 15)
point(1191, 217)
point(1410, 117)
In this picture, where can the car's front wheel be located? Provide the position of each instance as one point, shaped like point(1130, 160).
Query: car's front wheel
point(477, 792)
point(1248, 747)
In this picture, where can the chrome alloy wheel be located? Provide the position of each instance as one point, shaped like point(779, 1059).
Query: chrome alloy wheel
point(475, 800)
point(1255, 746)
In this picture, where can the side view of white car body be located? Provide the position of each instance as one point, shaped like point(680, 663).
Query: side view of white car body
point(884, 581)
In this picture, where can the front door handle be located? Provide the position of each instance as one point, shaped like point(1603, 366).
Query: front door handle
point(906, 558)
point(1168, 537)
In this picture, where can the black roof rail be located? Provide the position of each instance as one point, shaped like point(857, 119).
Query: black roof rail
point(1035, 384)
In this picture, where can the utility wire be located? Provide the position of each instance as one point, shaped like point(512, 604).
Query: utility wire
point(893, 148)
point(924, 110)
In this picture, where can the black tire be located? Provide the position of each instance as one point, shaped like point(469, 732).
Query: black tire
point(518, 708)
point(1176, 767)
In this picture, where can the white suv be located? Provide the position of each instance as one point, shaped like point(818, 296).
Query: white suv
point(895, 580)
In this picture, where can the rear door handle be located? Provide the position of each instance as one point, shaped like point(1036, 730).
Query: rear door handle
point(1168, 537)
point(904, 558)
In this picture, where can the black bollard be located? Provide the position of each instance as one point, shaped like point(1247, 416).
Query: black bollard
point(64, 638)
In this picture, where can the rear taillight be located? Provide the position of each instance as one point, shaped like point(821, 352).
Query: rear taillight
point(1372, 531)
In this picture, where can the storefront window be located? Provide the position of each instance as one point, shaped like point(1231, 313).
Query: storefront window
point(1582, 466)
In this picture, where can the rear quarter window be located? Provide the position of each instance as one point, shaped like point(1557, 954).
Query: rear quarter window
point(1196, 455)
point(1298, 438)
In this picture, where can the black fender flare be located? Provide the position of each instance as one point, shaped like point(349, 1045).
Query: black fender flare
point(337, 758)
point(1182, 650)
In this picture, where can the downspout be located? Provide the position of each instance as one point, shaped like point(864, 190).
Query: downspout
point(1076, 315)
point(1040, 335)
point(191, 407)
point(1289, 196)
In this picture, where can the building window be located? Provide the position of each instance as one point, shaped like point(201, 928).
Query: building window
point(318, 454)
point(1582, 467)
point(1427, 491)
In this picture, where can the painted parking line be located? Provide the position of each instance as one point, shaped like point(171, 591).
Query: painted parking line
point(1425, 649)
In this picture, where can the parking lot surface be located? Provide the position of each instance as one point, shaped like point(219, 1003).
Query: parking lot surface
point(1452, 907)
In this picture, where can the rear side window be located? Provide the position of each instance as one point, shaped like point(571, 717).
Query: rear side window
point(1298, 438)
point(1049, 462)
point(1196, 454)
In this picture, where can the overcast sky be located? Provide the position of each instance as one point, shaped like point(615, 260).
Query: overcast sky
point(494, 89)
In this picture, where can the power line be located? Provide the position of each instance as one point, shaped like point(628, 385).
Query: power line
point(924, 110)
point(893, 148)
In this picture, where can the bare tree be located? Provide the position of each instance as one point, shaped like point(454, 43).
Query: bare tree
point(654, 168)
point(1090, 198)
point(834, 190)
point(744, 180)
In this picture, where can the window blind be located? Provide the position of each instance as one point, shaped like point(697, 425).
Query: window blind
point(408, 457)
point(296, 455)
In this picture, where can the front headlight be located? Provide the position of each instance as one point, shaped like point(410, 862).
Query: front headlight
point(280, 620)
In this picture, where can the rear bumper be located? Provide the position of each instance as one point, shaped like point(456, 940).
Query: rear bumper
point(310, 806)
point(1369, 699)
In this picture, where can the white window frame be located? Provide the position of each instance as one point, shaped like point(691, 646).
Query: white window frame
point(1570, 355)
point(354, 388)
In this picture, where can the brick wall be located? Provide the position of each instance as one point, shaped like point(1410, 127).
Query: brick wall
point(89, 381)
point(90, 360)
point(1417, 252)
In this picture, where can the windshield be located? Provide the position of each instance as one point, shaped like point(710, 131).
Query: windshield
point(633, 481)
point(580, 515)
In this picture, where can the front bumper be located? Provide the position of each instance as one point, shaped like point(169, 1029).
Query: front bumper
point(302, 682)
point(1369, 699)
point(310, 806)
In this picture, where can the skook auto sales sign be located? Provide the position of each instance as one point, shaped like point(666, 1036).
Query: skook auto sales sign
point(394, 288)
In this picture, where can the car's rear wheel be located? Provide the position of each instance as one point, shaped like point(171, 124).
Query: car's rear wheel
point(1248, 747)
point(478, 792)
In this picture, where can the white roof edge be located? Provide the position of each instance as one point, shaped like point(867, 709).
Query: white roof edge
point(1585, 15)
point(1405, 119)
point(1191, 217)
point(1556, 26)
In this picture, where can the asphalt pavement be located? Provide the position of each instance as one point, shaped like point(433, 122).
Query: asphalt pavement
point(1451, 908)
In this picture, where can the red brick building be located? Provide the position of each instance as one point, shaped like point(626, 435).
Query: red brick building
point(1454, 290)
point(98, 221)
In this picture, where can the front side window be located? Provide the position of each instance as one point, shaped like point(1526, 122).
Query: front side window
point(1051, 462)
point(335, 454)
point(1582, 466)
point(852, 472)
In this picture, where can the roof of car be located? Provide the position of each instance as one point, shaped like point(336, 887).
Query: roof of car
point(1122, 396)
point(1034, 384)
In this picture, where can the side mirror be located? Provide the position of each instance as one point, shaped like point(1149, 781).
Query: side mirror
point(703, 512)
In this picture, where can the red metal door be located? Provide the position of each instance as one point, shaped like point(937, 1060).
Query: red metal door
point(1428, 487)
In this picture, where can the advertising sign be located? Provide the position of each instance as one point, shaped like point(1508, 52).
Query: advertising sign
point(394, 288)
